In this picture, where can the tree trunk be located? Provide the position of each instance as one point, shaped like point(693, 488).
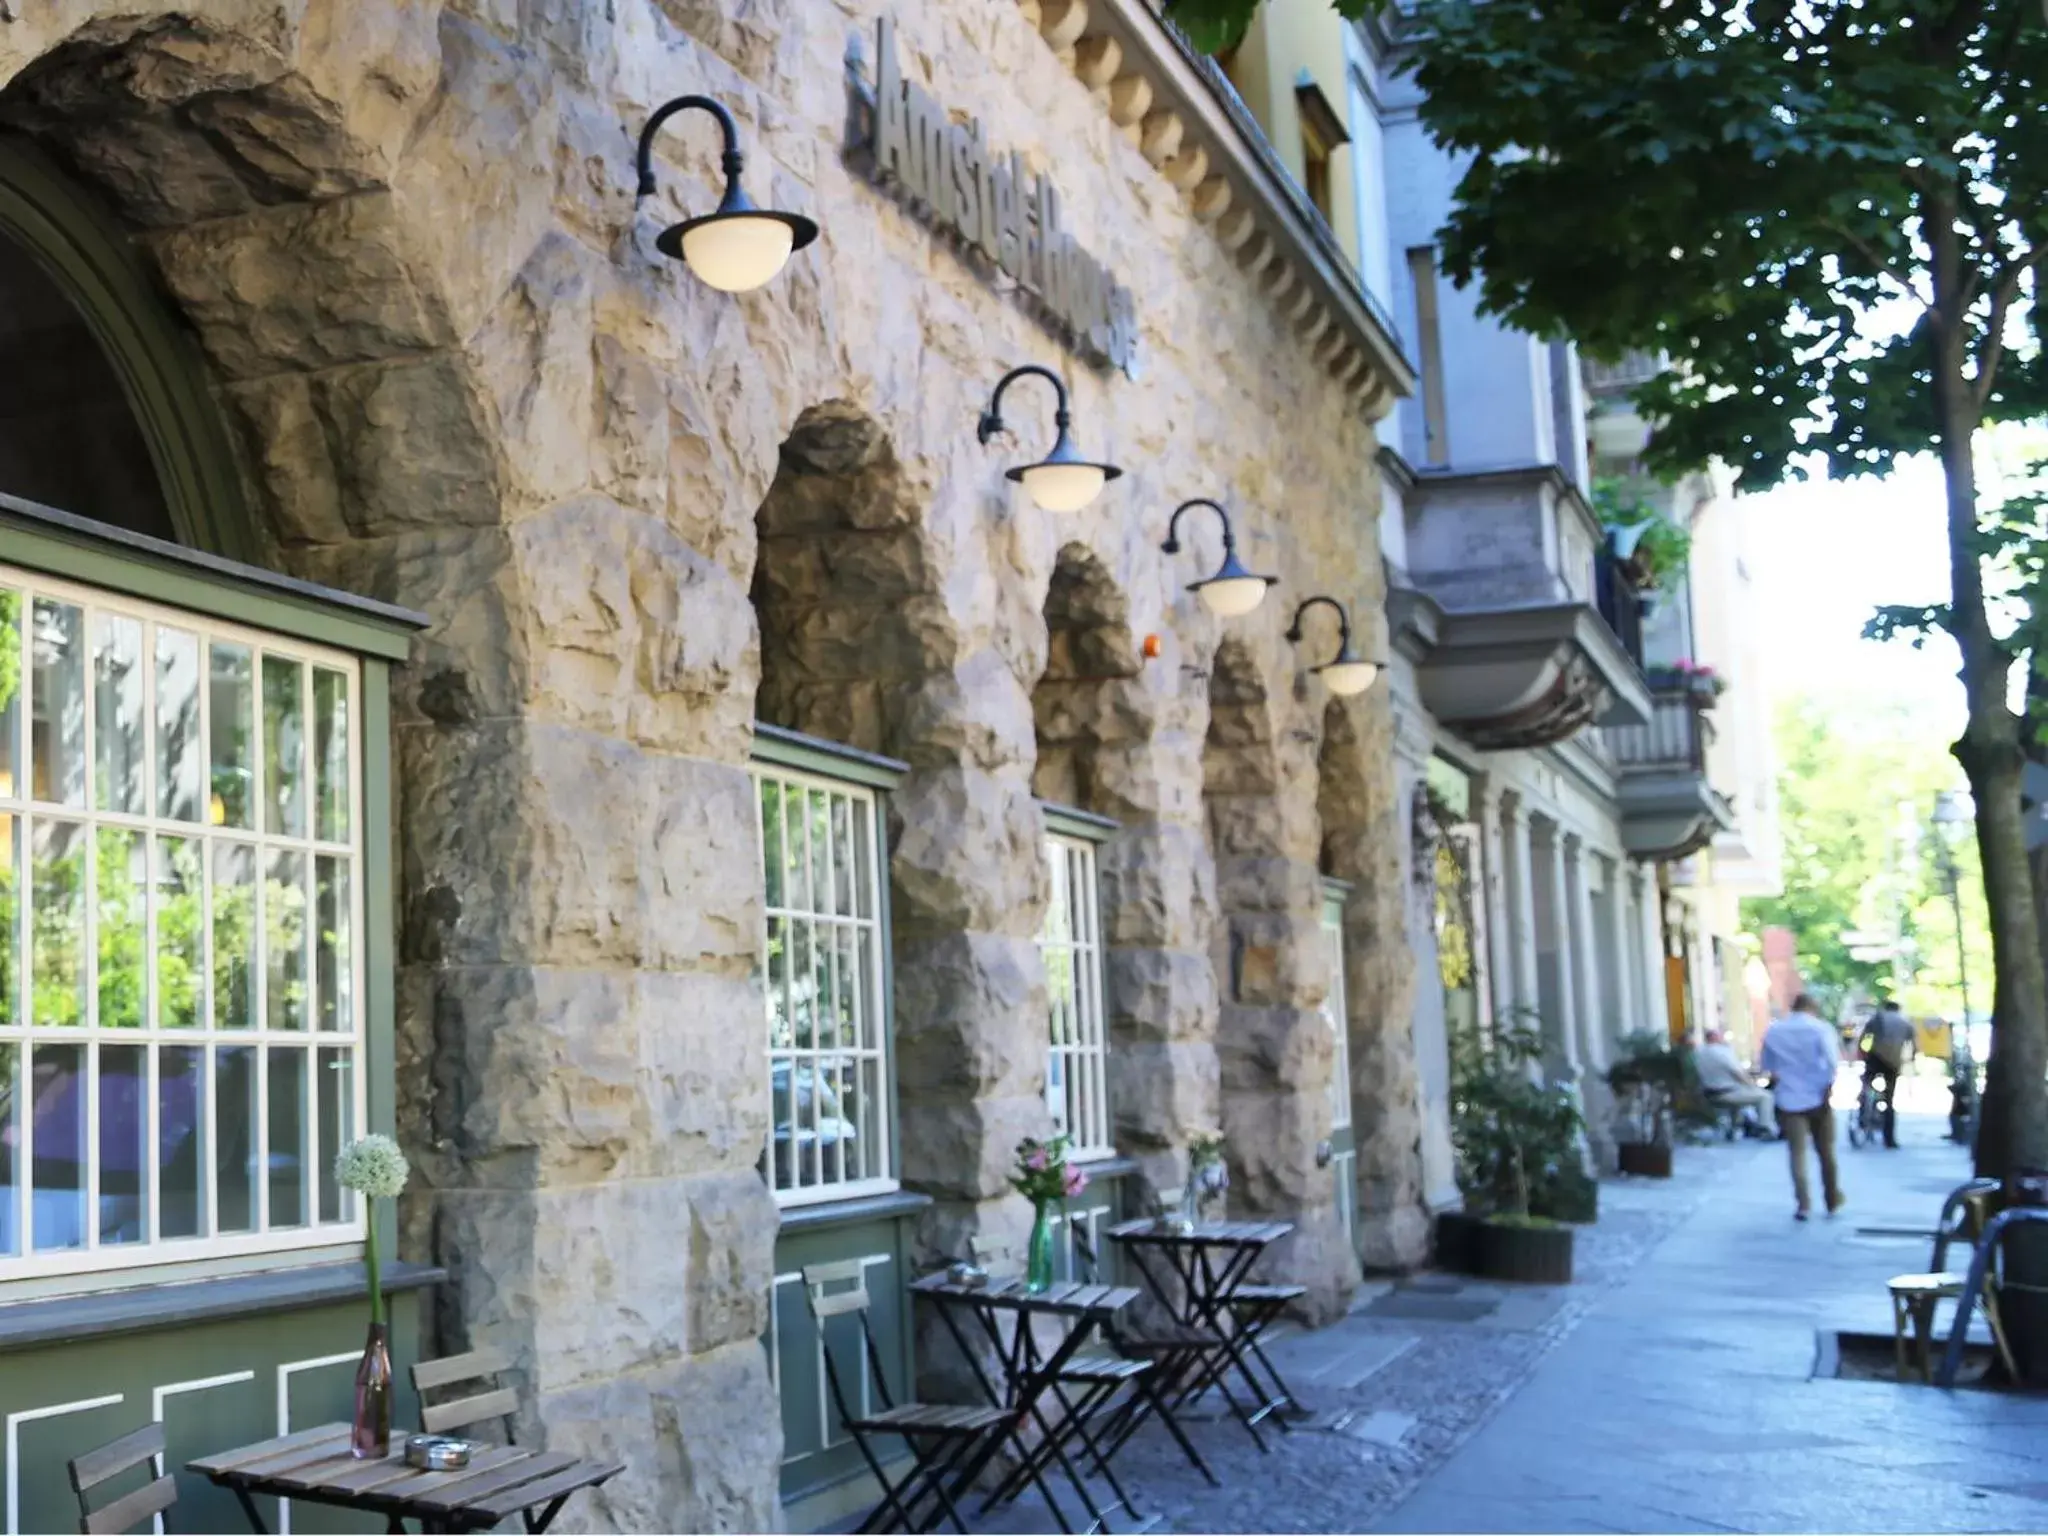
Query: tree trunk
point(2014, 1130)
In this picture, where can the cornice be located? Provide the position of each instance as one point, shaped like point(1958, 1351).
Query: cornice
point(1177, 109)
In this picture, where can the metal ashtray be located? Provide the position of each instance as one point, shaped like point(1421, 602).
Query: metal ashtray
point(436, 1453)
point(972, 1276)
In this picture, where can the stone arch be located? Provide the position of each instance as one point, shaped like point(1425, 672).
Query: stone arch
point(1357, 807)
point(338, 202)
point(1273, 1047)
point(80, 264)
point(859, 645)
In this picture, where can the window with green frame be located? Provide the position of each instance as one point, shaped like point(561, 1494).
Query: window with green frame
point(194, 903)
point(824, 968)
point(1070, 944)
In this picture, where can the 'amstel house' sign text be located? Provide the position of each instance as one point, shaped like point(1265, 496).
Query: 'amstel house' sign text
point(997, 207)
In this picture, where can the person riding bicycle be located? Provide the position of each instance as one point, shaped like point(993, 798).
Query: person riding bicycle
point(1886, 1043)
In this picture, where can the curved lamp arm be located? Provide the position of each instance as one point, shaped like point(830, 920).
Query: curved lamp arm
point(1172, 544)
point(992, 419)
point(733, 160)
point(1343, 622)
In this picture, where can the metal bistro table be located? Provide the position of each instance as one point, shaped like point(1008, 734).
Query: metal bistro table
point(1032, 1373)
point(314, 1465)
point(1197, 1273)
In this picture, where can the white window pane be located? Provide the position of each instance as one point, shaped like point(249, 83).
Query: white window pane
point(284, 746)
point(57, 925)
point(57, 702)
point(180, 951)
point(10, 694)
point(331, 754)
point(233, 898)
point(10, 919)
point(118, 746)
point(336, 1092)
point(181, 1120)
point(284, 940)
point(178, 748)
point(334, 921)
point(124, 1144)
point(231, 705)
point(235, 1136)
point(10, 1148)
point(120, 880)
point(57, 1091)
point(288, 1150)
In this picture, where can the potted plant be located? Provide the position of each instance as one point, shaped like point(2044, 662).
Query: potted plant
point(1045, 1178)
point(1515, 1136)
point(1650, 547)
point(1646, 1083)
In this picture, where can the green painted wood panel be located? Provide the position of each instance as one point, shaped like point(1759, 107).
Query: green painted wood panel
point(281, 1377)
point(816, 1451)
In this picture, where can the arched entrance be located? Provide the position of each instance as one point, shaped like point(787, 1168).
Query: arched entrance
point(104, 406)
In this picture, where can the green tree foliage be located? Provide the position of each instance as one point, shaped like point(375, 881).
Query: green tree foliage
point(1856, 788)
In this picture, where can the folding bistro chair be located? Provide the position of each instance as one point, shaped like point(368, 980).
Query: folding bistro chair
point(89, 1472)
point(1172, 1353)
point(477, 1374)
point(480, 1399)
point(941, 1437)
point(1252, 1307)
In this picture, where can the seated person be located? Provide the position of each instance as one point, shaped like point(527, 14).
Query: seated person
point(1724, 1080)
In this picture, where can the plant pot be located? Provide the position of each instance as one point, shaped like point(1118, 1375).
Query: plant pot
point(1454, 1231)
point(1645, 1159)
point(1510, 1251)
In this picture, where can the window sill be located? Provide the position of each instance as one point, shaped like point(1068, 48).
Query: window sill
point(69, 1319)
point(1115, 1166)
point(835, 1213)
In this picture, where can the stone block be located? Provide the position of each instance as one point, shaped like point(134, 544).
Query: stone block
point(970, 1016)
point(703, 1071)
point(700, 1437)
point(514, 850)
point(534, 356)
point(534, 1073)
point(471, 663)
point(411, 445)
point(964, 854)
point(1157, 995)
point(697, 856)
point(304, 287)
point(964, 1149)
point(1161, 1093)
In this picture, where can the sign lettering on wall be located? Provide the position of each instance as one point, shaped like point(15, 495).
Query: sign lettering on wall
point(1008, 217)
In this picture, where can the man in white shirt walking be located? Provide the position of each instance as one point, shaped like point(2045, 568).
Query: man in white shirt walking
point(1800, 1056)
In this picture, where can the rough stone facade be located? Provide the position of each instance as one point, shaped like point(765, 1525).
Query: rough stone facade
point(641, 513)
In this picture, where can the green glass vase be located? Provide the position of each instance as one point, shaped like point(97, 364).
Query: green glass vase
point(1038, 1264)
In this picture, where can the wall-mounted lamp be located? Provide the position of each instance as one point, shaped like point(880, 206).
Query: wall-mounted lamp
point(1233, 591)
point(1346, 673)
point(1062, 481)
point(739, 247)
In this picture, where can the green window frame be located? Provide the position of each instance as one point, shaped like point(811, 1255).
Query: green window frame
point(1070, 943)
point(824, 967)
point(89, 606)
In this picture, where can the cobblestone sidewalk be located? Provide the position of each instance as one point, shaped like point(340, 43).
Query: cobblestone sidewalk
point(1393, 1393)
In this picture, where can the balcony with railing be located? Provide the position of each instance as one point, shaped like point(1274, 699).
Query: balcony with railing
point(1668, 809)
point(1522, 630)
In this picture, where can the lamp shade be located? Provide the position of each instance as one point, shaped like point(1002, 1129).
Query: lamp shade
point(1062, 487)
point(1347, 677)
point(1232, 597)
point(738, 253)
point(1233, 591)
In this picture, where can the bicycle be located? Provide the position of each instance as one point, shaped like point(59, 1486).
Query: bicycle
point(1866, 1121)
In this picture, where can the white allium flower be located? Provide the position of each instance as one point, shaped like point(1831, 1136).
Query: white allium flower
point(373, 1166)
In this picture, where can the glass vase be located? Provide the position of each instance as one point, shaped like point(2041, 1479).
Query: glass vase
point(370, 1434)
point(1038, 1265)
